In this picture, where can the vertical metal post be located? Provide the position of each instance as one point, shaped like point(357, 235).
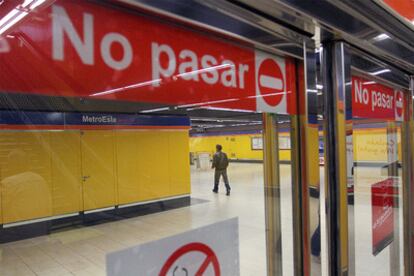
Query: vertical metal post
point(305, 165)
point(299, 227)
point(407, 144)
point(392, 155)
point(272, 196)
point(336, 76)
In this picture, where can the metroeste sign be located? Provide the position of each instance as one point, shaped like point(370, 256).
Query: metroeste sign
point(80, 49)
point(373, 100)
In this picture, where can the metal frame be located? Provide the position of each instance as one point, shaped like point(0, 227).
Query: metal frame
point(272, 196)
point(304, 135)
point(336, 74)
point(226, 9)
point(408, 179)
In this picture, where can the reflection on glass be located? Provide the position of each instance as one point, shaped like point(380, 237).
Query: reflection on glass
point(377, 205)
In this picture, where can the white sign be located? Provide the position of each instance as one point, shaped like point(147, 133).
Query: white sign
point(257, 143)
point(270, 83)
point(209, 250)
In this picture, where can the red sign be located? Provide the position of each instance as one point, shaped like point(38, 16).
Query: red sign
point(271, 82)
point(211, 259)
point(81, 49)
point(404, 7)
point(399, 105)
point(373, 100)
point(382, 201)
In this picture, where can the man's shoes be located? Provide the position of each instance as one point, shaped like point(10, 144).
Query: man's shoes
point(228, 193)
point(215, 191)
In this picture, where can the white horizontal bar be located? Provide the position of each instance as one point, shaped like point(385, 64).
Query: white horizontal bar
point(271, 82)
point(14, 224)
point(99, 210)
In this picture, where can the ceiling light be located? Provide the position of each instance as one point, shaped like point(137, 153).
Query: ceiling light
point(381, 37)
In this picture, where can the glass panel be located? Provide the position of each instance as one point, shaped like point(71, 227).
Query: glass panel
point(376, 197)
point(286, 192)
point(110, 118)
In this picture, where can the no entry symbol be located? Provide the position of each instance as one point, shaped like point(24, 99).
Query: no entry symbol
point(173, 266)
point(399, 104)
point(270, 82)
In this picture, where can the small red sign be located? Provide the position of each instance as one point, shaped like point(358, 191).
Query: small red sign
point(271, 82)
point(376, 101)
point(382, 201)
point(399, 105)
point(191, 248)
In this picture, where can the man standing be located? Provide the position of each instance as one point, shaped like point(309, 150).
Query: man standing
point(220, 164)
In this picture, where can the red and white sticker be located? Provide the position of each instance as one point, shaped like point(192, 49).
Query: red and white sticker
point(376, 101)
point(270, 83)
point(176, 264)
point(399, 105)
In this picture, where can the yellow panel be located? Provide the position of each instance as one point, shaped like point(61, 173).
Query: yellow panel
point(98, 169)
point(179, 163)
point(128, 164)
point(370, 145)
point(66, 172)
point(284, 155)
point(154, 164)
point(208, 144)
point(26, 176)
point(313, 151)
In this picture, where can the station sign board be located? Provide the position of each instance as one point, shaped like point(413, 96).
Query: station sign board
point(70, 120)
point(382, 202)
point(373, 100)
point(84, 49)
point(209, 250)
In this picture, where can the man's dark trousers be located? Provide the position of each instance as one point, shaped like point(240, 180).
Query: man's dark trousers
point(217, 175)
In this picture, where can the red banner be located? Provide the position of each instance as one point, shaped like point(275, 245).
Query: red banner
point(382, 201)
point(376, 101)
point(81, 49)
point(404, 7)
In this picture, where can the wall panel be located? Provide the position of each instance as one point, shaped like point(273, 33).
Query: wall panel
point(179, 162)
point(66, 172)
point(26, 175)
point(154, 169)
point(128, 166)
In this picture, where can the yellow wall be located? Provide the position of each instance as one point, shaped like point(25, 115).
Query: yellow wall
point(370, 145)
point(26, 183)
point(66, 172)
point(236, 146)
point(152, 164)
point(41, 172)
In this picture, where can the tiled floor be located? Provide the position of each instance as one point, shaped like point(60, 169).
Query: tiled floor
point(82, 251)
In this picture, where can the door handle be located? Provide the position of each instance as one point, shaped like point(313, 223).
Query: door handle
point(84, 178)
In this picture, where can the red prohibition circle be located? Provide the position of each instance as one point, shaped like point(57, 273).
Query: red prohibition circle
point(211, 258)
point(271, 83)
point(399, 99)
